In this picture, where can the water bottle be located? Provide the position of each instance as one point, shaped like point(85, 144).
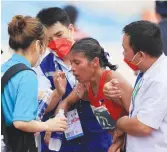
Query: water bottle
point(56, 139)
point(43, 103)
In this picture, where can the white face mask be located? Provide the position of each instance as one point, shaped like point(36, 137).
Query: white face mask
point(39, 59)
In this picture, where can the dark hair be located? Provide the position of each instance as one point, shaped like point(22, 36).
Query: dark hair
point(72, 13)
point(50, 16)
point(24, 30)
point(91, 49)
point(144, 36)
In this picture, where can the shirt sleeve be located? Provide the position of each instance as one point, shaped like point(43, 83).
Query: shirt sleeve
point(25, 108)
point(153, 105)
point(43, 82)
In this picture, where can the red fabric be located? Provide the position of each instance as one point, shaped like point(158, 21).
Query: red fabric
point(131, 65)
point(114, 109)
point(61, 46)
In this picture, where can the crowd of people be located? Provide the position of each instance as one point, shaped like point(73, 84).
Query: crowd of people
point(83, 82)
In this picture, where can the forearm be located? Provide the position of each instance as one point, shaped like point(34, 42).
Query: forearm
point(55, 98)
point(31, 126)
point(126, 98)
point(133, 126)
point(125, 103)
point(68, 101)
point(117, 145)
point(124, 90)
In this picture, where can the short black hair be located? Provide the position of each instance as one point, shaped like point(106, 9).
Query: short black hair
point(72, 13)
point(144, 36)
point(91, 48)
point(52, 15)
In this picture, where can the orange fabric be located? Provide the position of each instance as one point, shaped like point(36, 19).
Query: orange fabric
point(114, 109)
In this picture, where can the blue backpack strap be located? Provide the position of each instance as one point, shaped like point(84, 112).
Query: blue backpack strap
point(11, 72)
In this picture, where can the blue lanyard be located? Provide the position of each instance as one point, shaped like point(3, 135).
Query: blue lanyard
point(136, 89)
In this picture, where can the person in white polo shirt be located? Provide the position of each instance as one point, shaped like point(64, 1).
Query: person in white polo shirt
point(146, 125)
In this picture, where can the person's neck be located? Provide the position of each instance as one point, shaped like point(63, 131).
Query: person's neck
point(96, 78)
point(25, 55)
point(148, 64)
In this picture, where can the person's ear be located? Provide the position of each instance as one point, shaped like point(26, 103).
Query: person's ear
point(38, 46)
point(95, 62)
point(71, 29)
point(142, 55)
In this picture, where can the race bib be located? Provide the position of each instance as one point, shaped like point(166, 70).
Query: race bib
point(104, 118)
point(74, 128)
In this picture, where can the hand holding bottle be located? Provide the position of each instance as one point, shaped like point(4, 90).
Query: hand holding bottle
point(57, 124)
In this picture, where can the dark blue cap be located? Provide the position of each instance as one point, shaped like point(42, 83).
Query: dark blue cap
point(161, 7)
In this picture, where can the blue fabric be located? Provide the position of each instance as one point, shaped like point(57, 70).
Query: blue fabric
point(138, 78)
point(48, 66)
point(95, 139)
point(161, 7)
point(163, 28)
point(19, 99)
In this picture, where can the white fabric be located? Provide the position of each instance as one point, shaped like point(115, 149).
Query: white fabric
point(43, 82)
point(150, 107)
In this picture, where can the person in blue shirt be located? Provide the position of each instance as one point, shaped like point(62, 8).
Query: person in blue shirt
point(27, 37)
point(59, 29)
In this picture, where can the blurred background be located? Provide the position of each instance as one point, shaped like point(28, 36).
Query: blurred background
point(102, 20)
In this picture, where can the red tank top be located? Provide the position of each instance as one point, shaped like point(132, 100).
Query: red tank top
point(114, 109)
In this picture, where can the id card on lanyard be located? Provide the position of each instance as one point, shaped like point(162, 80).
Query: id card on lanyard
point(134, 94)
point(74, 129)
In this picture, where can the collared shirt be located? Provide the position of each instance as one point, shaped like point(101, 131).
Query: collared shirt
point(150, 107)
point(44, 83)
point(19, 99)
